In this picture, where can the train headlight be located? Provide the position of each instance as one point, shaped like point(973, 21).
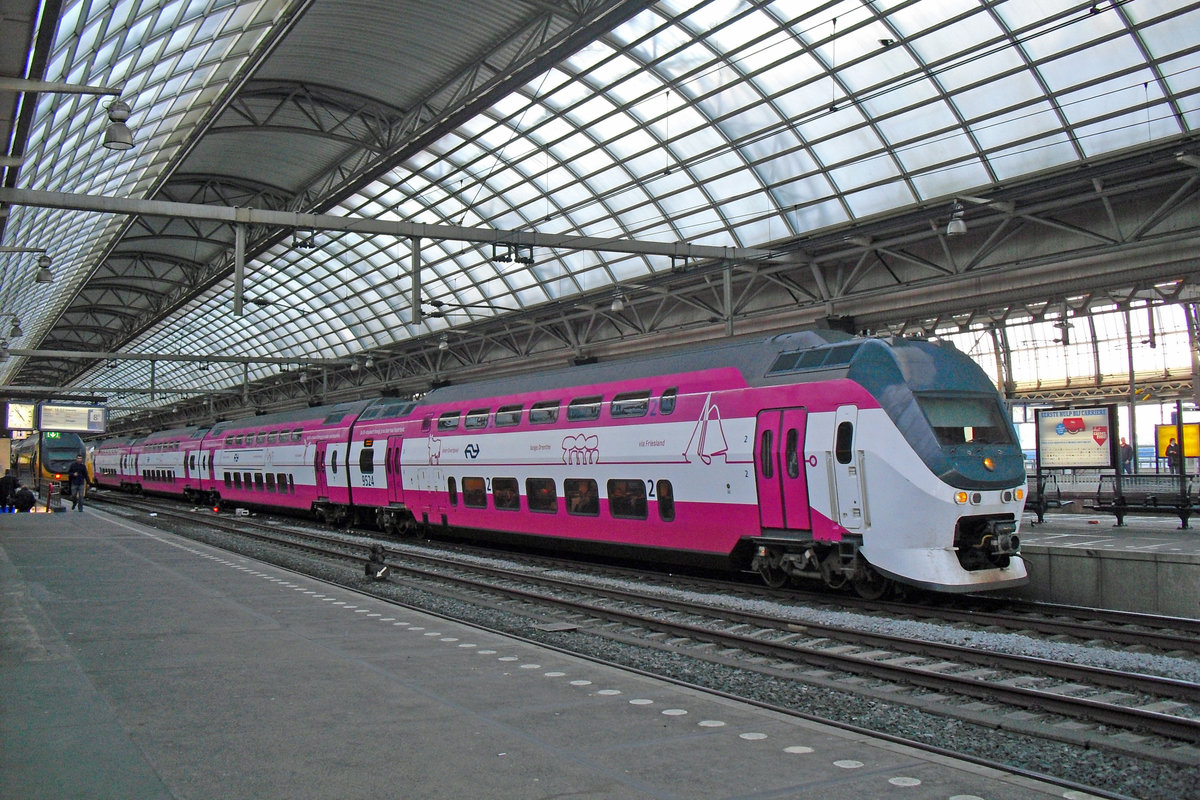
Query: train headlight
point(960, 498)
point(989, 464)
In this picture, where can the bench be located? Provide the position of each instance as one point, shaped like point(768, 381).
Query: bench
point(1147, 494)
point(1046, 495)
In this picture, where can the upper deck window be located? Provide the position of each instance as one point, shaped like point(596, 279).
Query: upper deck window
point(666, 403)
point(508, 415)
point(543, 413)
point(630, 404)
point(448, 421)
point(582, 409)
point(476, 418)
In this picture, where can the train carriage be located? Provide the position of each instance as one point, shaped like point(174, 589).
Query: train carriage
point(294, 459)
point(109, 460)
point(165, 462)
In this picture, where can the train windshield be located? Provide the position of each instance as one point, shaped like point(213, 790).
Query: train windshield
point(967, 419)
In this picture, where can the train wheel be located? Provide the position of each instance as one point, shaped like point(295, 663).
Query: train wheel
point(773, 576)
point(870, 585)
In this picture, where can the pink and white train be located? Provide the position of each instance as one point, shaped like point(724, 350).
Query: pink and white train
point(859, 461)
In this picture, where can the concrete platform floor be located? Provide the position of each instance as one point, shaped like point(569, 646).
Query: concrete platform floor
point(136, 665)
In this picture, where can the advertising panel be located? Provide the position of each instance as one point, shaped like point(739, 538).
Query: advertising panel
point(1070, 438)
point(1163, 434)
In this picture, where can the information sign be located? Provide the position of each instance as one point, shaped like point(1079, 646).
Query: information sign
point(79, 419)
point(1070, 438)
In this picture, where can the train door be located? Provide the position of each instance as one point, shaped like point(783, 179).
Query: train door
point(846, 478)
point(319, 469)
point(391, 468)
point(780, 469)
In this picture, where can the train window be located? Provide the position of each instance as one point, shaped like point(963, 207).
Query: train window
point(630, 404)
point(843, 445)
point(333, 418)
point(448, 421)
point(842, 354)
point(508, 415)
point(366, 461)
point(229, 440)
point(784, 362)
point(474, 495)
point(811, 359)
point(792, 453)
point(666, 500)
point(582, 497)
point(261, 438)
point(766, 452)
point(273, 437)
point(291, 483)
point(543, 413)
point(282, 482)
point(237, 440)
point(666, 403)
point(476, 418)
point(542, 495)
point(296, 434)
point(506, 494)
point(627, 499)
point(333, 462)
point(452, 490)
point(269, 479)
point(247, 480)
point(192, 462)
point(959, 420)
point(237, 480)
point(584, 408)
point(258, 481)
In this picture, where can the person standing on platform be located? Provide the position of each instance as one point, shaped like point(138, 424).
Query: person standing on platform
point(1126, 457)
point(77, 479)
point(1174, 461)
point(8, 486)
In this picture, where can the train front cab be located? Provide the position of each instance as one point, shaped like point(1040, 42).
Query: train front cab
point(932, 453)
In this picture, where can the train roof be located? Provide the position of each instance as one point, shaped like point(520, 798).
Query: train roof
point(316, 413)
point(752, 357)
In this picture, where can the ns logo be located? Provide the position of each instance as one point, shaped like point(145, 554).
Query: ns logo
point(471, 450)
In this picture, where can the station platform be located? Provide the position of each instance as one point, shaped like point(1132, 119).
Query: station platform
point(1149, 565)
point(138, 665)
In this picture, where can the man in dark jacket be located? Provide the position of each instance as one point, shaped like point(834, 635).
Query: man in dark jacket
point(8, 485)
point(23, 499)
point(77, 479)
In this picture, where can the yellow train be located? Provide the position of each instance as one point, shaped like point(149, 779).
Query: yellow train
point(44, 457)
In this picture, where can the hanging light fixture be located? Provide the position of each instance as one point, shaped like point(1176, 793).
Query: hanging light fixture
point(443, 342)
point(618, 304)
point(117, 135)
point(957, 226)
point(44, 275)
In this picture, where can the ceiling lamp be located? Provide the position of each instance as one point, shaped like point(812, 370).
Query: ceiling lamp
point(118, 136)
point(618, 304)
point(44, 275)
point(957, 226)
point(443, 342)
point(16, 329)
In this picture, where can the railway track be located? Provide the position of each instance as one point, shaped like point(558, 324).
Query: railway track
point(1153, 716)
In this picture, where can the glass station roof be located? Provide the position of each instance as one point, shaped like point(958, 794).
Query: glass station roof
point(729, 123)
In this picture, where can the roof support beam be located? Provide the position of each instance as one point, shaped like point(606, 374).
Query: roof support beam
point(363, 225)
